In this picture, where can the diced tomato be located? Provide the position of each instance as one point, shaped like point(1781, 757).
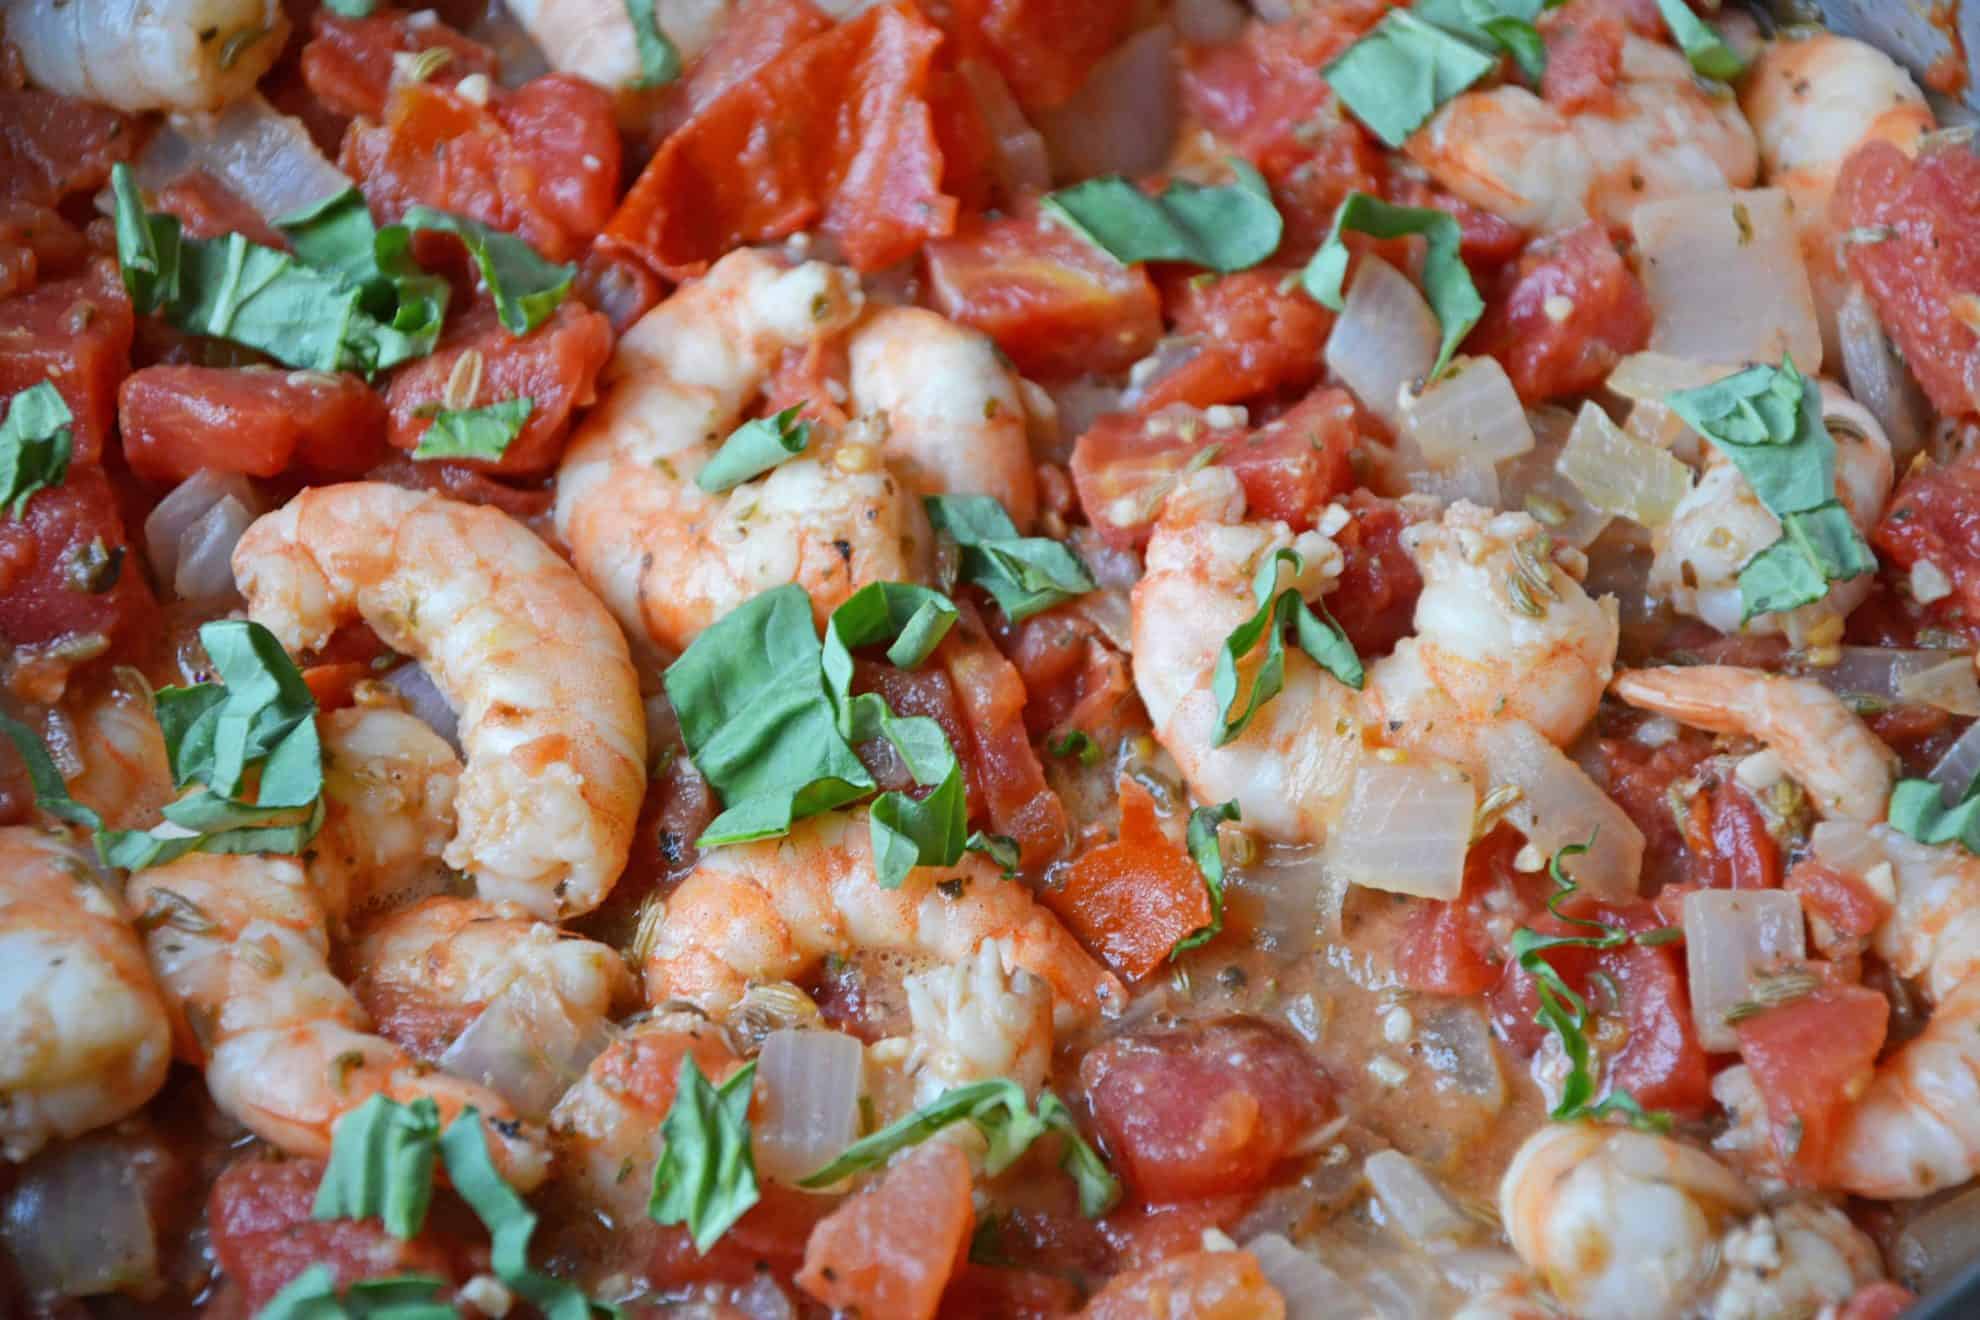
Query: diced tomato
point(264, 1234)
point(461, 482)
point(1003, 767)
point(258, 421)
point(645, 1066)
point(1056, 305)
point(1564, 314)
point(891, 1250)
point(52, 146)
point(1072, 678)
point(333, 685)
point(1882, 1300)
point(1924, 267)
point(769, 1238)
point(1811, 1058)
point(1935, 517)
point(541, 162)
point(1731, 847)
point(970, 161)
point(555, 367)
point(1131, 899)
point(836, 135)
point(983, 1290)
point(348, 62)
point(1259, 334)
point(755, 33)
point(1044, 48)
point(1444, 948)
point(1204, 1285)
point(66, 568)
point(76, 335)
point(1640, 778)
point(1837, 899)
point(207, 208)
point(1204, 1109)
point(1584, 57)
point(36, 244)
point(1375, 600)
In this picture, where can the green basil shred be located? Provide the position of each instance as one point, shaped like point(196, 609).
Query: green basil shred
point(1076, 743)
point(754, 448)
point(1396, 76)
point(1227, 228)
point(483, 433)
point(1316, 634)
point(1447, 283)
point(659, 58)
point(36, 439)
point(1920, 811)
point(313, 1295)
point(1209, 858)
point(1710, 56)
point(705, 1177)
point(1023, 574)
point(1494, 25)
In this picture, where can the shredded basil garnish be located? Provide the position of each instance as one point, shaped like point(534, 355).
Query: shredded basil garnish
point(705, 1177)
point(754, 448)
point(36, 439)
point(1315, 634)
point(1209, 858)
point(1227, 228)
point(1023, 574)
point(1447, 283)
point(1396, 76)
point(483, 433)
point(659, 58)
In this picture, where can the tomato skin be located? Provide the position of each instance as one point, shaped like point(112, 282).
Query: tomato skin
point(1731, 847)
point(1811, 1058)
point(1044, 48)
point(1053, 304)
point(52, 146)
point(555, 366)
point(1444, 948)
point(891, 1250)
point(256, 421)
point(36, 244)
point(1375, 600)
point(836, 134)
point(1548, 354)
point(1260, 333)
point(1072, 678)
point(1882, 1300)
point(1236, 1096)
point(460, 482)
point(755, 34)
point(43, 600)
point(1131, 899)
point(76, 335)
point(1935, 516)
point(1004, 772)
point(1922, 273)
point(1205, 1285)
point(347, 64)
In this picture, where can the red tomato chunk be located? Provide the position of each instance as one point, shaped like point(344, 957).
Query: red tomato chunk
point(1935, 517)
point(1375, 600)
point(1811, 1058)
point(66, 571)
point(1206, 1109)
point(75, 334)
point(348, 63)
point(1130, 900)
point(1044, 48)
point(52, 146)
point(207, 208)
point(890, 1250)
point(1259, 333)
point(1564, 314)
point(1584, 57)
point(258, 421)
point(35, 244)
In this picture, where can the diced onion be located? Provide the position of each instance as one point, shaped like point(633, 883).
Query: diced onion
point(1558, 805)
point(1618, 473)
point(1209, 21)
point(1879, 380)
point(1311, 1290)
point(1454, 1040)
point(185, 505)
point(1726, 280)
point(812, 1080)
point(1405, 829)
point(1123, 119)
point(526, 1048)
point(1949, 685)
point(77, 1225)
point(1532, 484)
point(1959, 765)
point(1415, 1206)
point(266, 158)
point(1470, 416)
point(1848, 846)
point(1882, 675)
point(424, 699)
point(1385, 339)
point(206, 553)
point(1939, 1243)
point(1021, 162)
point(1730, 937)
point(1646, 381)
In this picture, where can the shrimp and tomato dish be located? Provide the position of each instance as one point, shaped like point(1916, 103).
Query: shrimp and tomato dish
point(917, 660)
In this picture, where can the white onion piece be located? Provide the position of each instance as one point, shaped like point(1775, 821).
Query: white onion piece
point(1620, 474)
point(812, 1080)
point(1470, 416)
point(1415, 1205)
point(264, 157)
point(1938, 1244)
point(1726, 280)
point(76, 1223)
point(1385, 339)
point(1454, 1040)
point(1848, 846)
point(1958, 766)
point(1209, 21)
point(1022, 163)
point(1880, 674)
point(1532, 484)
point(1949, 685)
point(1879, 380)
point(185, 505)
point(518, 59)
point(1123, 119)
point(205, 569)
point(526, 1048)
point(1730, 937)
point(1476, 482)
point(1405, 829)
point(424, 699)
point(1558, 804)
point(1646, 380)
point(1311, 1290)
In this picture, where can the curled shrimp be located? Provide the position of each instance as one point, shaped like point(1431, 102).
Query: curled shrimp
point(125, 777)
point(388, 792)
point(141, 55)
point(1793, 1259)
point(85, 1039)
point(1822, 744)
point(241, 945)
point(772, 911)
point(1720, 524)
point(594, 38)
point(550, 716)
point(1660, 136)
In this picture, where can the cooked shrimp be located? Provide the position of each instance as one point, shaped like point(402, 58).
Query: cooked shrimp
point(1825, 748)
point(141, 55)
point(975, 1019)
point(771, 911)
point(388, 792)
point(950, 412)
point(550, 716)
point(1794, 1259)
point(1663, 136)
point(241, 946)
point(1720, 524)
point(594, 38)
point(125, 777)
point(1616, 1222)
point(85, 1038)
point(668, 557)
point(1813, 100)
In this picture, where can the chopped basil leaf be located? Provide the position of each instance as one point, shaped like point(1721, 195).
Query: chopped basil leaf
point(705, 1177)
point(1396, 77)
point(351, 8)
point(753, 449)
point(659, 59)
point(312, 1295)
point(1209, 858)
point(336, 236)
point(1447, 280)
point(1565, 1013)
point(1001, 849)
point(525, 287)
point(51, 794)
point(1000, 1112)
point(147, 245)
point(1023, 574)
point(1076, 743)
point(483, 433)
point(1233, 227)
point(510, 1223)
point(35, 442)
point(381, 1165)
point(1494, 25)
point(1316, 634)
point(1710, 56)
point(1817, 547)
point(1918, 809)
